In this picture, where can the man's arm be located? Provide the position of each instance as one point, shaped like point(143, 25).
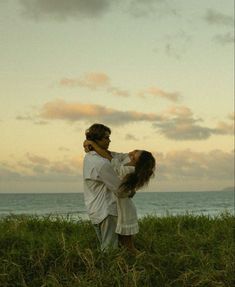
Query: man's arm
point(111, 180)
point(102, 152)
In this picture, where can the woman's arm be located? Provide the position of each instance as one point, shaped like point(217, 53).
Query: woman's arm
point(121, 169)
point(102, 152)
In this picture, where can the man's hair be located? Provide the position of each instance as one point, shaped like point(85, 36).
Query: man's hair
point(97, 132)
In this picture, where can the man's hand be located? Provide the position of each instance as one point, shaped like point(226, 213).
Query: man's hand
point(132, 193)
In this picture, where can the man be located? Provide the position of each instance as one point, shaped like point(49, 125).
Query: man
point(101, 185)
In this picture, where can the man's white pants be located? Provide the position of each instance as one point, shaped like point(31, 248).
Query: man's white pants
point(106, 232)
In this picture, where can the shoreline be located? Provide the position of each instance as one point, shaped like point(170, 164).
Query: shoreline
point(81, 192)
point(77, 215)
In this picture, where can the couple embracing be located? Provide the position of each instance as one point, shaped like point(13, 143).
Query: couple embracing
point(110, 181)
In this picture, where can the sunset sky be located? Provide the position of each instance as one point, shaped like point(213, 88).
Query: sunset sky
point(159, 73)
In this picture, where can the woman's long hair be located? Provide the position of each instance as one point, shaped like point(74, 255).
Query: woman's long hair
point(144, 170)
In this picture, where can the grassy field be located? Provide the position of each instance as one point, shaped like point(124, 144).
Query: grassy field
point(177, 251)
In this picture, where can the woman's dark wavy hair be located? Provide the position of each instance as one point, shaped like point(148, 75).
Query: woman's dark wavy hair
point(144, 170)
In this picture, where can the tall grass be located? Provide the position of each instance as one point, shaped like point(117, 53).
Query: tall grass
point(177, 251)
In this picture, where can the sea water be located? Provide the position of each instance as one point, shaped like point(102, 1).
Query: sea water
point(153, 203)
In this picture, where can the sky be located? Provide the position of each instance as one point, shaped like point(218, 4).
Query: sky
point(159, 73)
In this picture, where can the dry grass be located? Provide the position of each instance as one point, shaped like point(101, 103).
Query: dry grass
point(178, 251)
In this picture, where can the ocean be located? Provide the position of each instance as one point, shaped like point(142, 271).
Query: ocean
point(147, 203)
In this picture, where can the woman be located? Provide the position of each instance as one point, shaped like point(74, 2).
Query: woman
point(135, 172)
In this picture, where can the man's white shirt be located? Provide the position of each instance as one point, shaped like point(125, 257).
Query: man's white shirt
point(101, 185)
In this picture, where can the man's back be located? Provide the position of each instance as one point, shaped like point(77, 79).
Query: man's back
point(100, 184)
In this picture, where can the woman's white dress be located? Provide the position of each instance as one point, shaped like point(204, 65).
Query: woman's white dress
point(127, 222)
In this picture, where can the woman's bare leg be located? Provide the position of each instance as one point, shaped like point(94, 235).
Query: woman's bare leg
point(128, 242)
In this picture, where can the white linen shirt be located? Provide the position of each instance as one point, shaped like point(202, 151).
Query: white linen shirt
point(101, 185)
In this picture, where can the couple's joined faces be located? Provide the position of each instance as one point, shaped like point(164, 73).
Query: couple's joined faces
point(134, 155)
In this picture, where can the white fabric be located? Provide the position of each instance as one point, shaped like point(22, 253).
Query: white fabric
point(101, 184)
point(106, 232)
point(127, 223)
point(120, 168)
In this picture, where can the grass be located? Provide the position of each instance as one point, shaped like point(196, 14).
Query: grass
point(177, 251)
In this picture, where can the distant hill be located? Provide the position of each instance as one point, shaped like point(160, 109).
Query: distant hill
point(231, 188)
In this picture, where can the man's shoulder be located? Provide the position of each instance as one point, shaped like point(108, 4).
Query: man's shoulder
point(95, 159)
point(93, 164)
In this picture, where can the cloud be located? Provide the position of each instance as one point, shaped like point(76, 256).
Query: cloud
point(7, 174)
point(61, 10)
point(223, 39)
point(226, 128)
point(180, 124)
point(37, 159)
point(73, 112)
point(31, 119)
point(130, 137)
point(231, 116)
point(183, 129)
point(94, 81)
point(64, 10)
point(90, 80)
point(63, 148)
point(41, 123)
point(176, 123)
point(176, 45)
point(118, 92)
point(61, 168)
point(223, 128)
point(24, 118)
point(188, 165)
point(217, 18)
point(174, 166)
point(99, 80)
point(37, 168)
point(140, 8)
point(174, 50)
point(156, 92)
